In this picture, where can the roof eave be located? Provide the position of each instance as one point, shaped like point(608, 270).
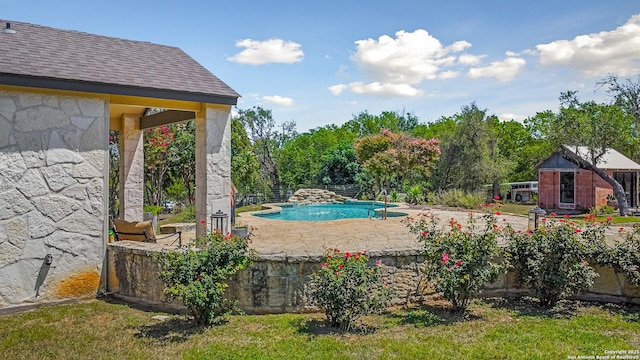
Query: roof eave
point(114, 89)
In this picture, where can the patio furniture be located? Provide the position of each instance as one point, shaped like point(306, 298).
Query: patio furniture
point(140, 231)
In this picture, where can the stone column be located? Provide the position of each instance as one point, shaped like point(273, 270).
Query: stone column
point(213, 165)
point(131, 169)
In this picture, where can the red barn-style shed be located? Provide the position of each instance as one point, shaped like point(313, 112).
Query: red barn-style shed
point(563, 185)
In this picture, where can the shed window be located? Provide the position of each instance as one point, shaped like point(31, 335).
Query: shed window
point(567, 186)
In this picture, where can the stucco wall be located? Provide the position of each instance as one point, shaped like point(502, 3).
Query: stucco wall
point(53, 159)
point(276, 283)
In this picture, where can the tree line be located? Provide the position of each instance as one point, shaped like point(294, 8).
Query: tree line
point(394, 150)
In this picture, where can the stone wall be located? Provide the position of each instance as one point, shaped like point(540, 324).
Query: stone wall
point(53, 161)
point(276, 283)
point(316, 196)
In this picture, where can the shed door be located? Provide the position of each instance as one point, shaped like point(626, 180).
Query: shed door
point(567, 189)
point(629, 181)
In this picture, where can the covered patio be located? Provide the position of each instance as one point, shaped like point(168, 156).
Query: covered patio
point(61, 92)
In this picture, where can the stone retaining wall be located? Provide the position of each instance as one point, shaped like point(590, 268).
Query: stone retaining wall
point(276, 283)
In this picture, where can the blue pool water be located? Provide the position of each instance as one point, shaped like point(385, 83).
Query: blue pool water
point(325, 212)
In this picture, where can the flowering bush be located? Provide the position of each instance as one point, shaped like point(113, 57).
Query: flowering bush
point(459, 259)
point(625, 254)
point(346, 288)
point(552, 260)
point(196, 275)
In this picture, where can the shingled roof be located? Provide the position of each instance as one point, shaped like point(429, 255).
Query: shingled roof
point(39, 56)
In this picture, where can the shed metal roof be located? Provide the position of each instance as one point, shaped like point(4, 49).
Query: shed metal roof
point(611, 160)
point(40, 56)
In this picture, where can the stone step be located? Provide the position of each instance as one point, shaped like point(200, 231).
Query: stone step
point(175, 227)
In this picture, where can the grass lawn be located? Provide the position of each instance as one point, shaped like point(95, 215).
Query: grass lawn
point(492, 329)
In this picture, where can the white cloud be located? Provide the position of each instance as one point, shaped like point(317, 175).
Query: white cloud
point(503, 71)
point(337, 89)
point(408, 59)
point(377, 88)
point(468, 59)
point(394, 66)
point(278, 100)
point(510, 116)
point(268, 51)
point(616, 51)
point(449, 74)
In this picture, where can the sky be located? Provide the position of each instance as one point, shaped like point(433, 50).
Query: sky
point(322, 62)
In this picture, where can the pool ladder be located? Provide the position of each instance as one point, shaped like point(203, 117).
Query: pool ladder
point(369, 211)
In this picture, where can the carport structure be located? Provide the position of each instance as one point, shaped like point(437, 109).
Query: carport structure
point(61, 92)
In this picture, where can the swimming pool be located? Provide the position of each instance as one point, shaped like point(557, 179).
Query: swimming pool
point(326, 212)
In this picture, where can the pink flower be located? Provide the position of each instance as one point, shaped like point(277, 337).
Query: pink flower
point(585, 263)
point(340, 266)
point(323, 264)
point(578, 230)
point(553, 214)
point(543, 219)
point(445, 258)
point(378, 262)
point(567, 216)
point(609, 218)
point(497, 197)
point(458, 264)
point(424, 233)
point(338, 273)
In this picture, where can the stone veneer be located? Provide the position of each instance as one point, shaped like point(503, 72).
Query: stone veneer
point(316, 196)
point(53, 161)
point(276, 283)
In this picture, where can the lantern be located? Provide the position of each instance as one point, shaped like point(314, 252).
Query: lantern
point(218, 221)
point(534, 217)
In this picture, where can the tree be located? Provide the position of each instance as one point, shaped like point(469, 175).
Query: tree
point(364, 124)
point(387, 156)
point(182, 159)
point(267, 142)
point(156, 157)
point(626, 94)
point(245, 168)
point(522, 148)
point(598, 127)
point(340, 165)
point(470, 153)
point(114, 172)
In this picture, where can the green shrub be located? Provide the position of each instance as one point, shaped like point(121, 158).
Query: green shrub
point(552, 260)
point(186, 214)
point(414, 195)
point(460, 260)
point(394, 196)
point(602, 210)
point(197, 275)
point(154, 209)
point(625, 254)
point(459, 198)
point(346, 288)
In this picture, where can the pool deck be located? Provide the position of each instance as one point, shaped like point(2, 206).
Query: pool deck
point(286, 237)
point(310, 238)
